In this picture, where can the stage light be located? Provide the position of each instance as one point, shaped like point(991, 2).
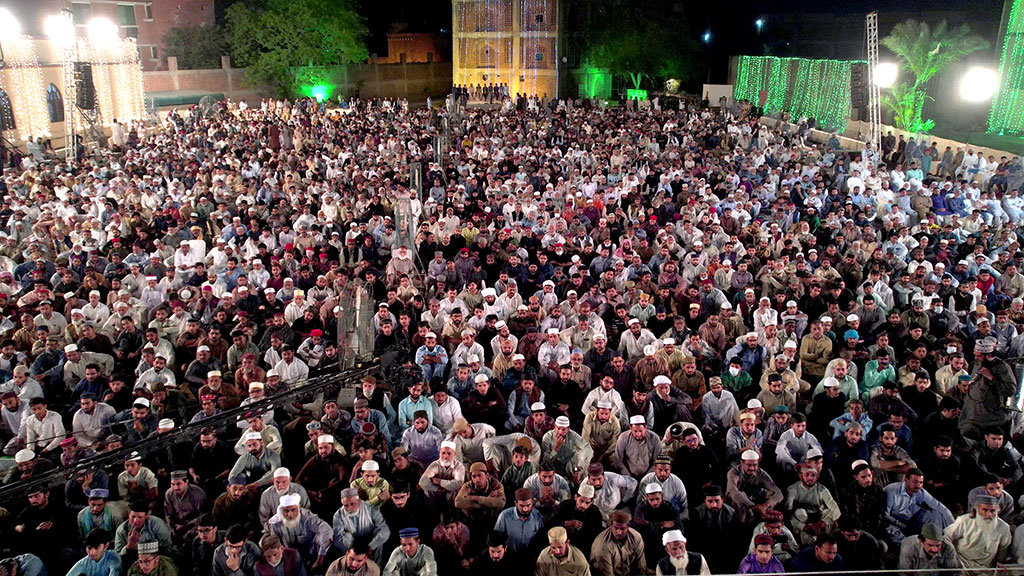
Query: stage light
point(60, 29)
point(10, 28)
point(706, 37)
point(979, 84)
point(102, 31)
point(759, 23)
point(886, 74)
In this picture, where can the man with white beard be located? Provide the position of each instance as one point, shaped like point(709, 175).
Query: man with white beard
point(283, 486)
point(679, 560)
point(444, 476)
point(301, 529)
point(981, 538)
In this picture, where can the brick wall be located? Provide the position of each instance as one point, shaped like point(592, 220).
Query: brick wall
point(414, 81)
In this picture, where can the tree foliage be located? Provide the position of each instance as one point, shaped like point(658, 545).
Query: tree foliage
point(639, 39)
point(195, 47)
point(924, 51)
point(273, 38)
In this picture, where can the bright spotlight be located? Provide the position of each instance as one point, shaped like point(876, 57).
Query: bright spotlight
point(102, 31)
point(886, 74)
point(707, 37)
point(759, 23)
point(979, 84)
point(9, 25)
point(59, 29)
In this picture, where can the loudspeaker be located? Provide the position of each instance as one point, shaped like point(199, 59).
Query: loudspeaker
point(85, 90)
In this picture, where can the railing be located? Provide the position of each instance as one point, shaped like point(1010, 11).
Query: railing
point(185, 433)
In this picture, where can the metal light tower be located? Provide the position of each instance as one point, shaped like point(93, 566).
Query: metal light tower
point(874, 95)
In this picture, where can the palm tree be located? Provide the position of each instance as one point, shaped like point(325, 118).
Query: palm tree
point(925, 51)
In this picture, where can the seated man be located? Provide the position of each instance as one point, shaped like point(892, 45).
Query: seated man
point(908, 507)
point(302, 530)
point(981, 538)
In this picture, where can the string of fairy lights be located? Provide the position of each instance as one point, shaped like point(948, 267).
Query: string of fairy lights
point(799, 86)
point(492, 49)
point(117, 78)
point(1007, 113)
point(26, 91)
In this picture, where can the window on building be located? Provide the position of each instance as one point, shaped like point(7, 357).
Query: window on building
point(6, 112)
point(153, 54)
point(148, 11)
point(55, 104)
point(126, 17)
point(82, 12)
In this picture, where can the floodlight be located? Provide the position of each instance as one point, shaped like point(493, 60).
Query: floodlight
point(102, 31)
point(9, 25)
point(979, 84)
point(886, 74)
point(60, 29)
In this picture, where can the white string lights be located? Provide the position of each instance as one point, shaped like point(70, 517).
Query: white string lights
point(23, 79)
point(126, 70)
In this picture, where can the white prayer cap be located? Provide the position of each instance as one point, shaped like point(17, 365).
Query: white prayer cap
point(662, 379)
point(637, 420)
point(553, 331)
point(71, 348)
point(537, 407)
point(430, 335)
point(562, 422)
point(481, 378)
point(669, 341)
point(290, 500)
point(325, 439)
point(253, 436)
point(652, 488)
point(749, 455)
point(24, 455)
point(370, 466)
point(650, 350)
point(448, 444)
point(672, 536)
point(282, 473)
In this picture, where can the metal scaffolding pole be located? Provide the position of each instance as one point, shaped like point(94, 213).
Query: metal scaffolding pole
point(874, 95)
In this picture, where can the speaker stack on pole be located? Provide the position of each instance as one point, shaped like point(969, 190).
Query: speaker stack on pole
point(85, 90)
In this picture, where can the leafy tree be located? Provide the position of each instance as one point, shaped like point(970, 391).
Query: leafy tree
point(273, 38)
point(195, 47)
point(639, 39)
point(924, 51)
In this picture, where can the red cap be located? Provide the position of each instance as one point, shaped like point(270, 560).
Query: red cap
point(289, 247)
point(316, 332)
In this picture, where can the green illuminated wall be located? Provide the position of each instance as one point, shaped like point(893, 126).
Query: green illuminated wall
point(801, 87)
point(1007, 113)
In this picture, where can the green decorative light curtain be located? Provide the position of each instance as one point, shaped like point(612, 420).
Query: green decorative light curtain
point(801, 87)
point(1007, 113)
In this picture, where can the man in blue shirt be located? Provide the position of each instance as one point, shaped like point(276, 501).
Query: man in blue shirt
point(99, 559)
point(412, 404)
point(908, 507)
point(521, 523)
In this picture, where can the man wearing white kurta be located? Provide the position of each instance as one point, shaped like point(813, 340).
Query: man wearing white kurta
point(981, 538)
